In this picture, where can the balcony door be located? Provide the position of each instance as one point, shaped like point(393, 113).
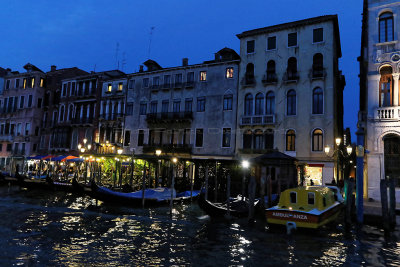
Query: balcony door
point(386, 87)
point(392, 157)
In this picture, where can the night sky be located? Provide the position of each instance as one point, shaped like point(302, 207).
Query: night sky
point(85, 33)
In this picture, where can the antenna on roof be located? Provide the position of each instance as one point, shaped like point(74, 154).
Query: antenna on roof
point(151, 35)
point(123, 62)
point(116, 56)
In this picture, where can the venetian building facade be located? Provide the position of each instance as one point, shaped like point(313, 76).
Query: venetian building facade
point(290, 94)
point(186, 111)
point(379, 94)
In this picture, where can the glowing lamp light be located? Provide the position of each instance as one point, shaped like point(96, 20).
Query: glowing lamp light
point(338, 140)
point(158, 152)
point(327, 149)
point(174, 160)
point(349, 150)
point(120, 151)
point(245, 164)
point(79, 146)
point(89, 147)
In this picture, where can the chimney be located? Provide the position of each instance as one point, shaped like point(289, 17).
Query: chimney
point(141, 68)
point(53, 68)
point(185, 61)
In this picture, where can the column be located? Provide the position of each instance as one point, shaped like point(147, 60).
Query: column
point(395, 89)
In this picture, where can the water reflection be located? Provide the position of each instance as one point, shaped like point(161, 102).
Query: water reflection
point(62, 229)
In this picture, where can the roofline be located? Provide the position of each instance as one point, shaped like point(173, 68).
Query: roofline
point(183, 67)
point(298, 23)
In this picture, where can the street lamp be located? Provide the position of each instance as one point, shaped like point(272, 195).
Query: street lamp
point(338, 151)
point(158, 154)
point(245, 165)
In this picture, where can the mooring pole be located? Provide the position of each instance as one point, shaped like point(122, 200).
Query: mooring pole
point(262, 186)
point(206, 183)
point(172, 188)
point(228, 193)
point(392, 201)
point(252, 192)
point(384, 203)
point(360, 176)
point(216, 182)
point(143, 183)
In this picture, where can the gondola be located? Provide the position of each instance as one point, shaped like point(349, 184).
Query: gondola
point(238, 207)
point(152, 196)
point(49, 184)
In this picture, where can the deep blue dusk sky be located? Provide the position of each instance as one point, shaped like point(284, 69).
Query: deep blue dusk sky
point(85, 33)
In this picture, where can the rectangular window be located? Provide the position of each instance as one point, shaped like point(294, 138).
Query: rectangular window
point(33, 82)
point(293, 197)
point(8, 84)
point(120, 86)
point(109, 87)
point(292, 39)
point(19, 126)
point(178, 79)
point(199, 137)
point(167, 80)
point(190, 77)
point(186, 137)
point(188, 104)
point(131, 84)
point(318, 35)
point(203, 76)
point(311, 198)
point(29, 101)
point(156, 81)
point(27, 128)
point(129, 108)
point(140, 138)
point(228, 102)
point(145, 82)
point(41, 82)
point(271, 43)
point(226, 137)
point(164, 107)
point(16, 147)
point(250, 46)
point(153, 107)
point(9, 147)
point(24, 85)
point(15, 103)
point(201, 104)
point(143, 108)
point(127, 140)
point(16, 83)
point(64, 90)
point(229, 73)
point(39, 103)
point(177, 106)
point(1, 147)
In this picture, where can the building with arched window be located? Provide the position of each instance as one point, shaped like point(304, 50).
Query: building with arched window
point(379, 113)
point(290, 93)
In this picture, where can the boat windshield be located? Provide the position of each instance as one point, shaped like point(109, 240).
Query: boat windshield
point(293, 197)
point(311, 198)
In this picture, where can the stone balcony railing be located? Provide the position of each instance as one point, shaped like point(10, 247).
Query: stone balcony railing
point(258, 120)
point(388, 113)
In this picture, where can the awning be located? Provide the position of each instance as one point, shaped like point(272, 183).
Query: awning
point(38, 157)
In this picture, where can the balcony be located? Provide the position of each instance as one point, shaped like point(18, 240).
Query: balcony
point(258, 120)
point(189, 84)
point(18, 152)
point(167, 86)
point(317, 73)
point(86, 93)
point(111, 116)
point(248, 81)
point(178, 85)
point(155, 87)
point(170, 117)
point(168, 148)
point(291, 76)
point(6, 138)
point(270, 78)
point(83, 120)
point(388, 114)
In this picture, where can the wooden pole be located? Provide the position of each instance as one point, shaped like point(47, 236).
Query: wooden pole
point(263, 178)
point(206, 182)
point(384, 202)
point(143, 183)
point(228, 194)
point(243, 182)
point(252, 192)
point(172, 189)
point(269, 190)
point(191, 176)
point(392, 202)
point(349, 186)
point(216, 182)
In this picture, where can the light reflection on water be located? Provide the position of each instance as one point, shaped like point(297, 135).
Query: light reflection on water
point(61, 229)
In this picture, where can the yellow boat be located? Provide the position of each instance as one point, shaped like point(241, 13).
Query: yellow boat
point(306, 207)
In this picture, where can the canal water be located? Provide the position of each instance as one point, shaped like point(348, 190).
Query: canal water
point(46, 228)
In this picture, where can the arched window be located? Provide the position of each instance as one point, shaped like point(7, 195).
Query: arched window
point(250, 73)
point(247, 139)
point(62, 111)
point(258, 139)
point(386, 33)
point(248, 105)
point(292, 69)
point(269, 139)
point(318, 101)
point(291, 102)
point(70, 112)
point(271, 71)
point(270, 103)
point(290, 140)
point(318, 66)
point(259, 105)
point(385, 87)
point(317, 140)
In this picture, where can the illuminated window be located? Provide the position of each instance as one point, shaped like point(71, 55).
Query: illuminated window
point(24, 85)
point(33, 82)
point(290, 140)
point(109, 87)
point(229, 73)
point(386, 87)
point(120, 86)
point(203, 75)
point(317, 140)
point(41, 82)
